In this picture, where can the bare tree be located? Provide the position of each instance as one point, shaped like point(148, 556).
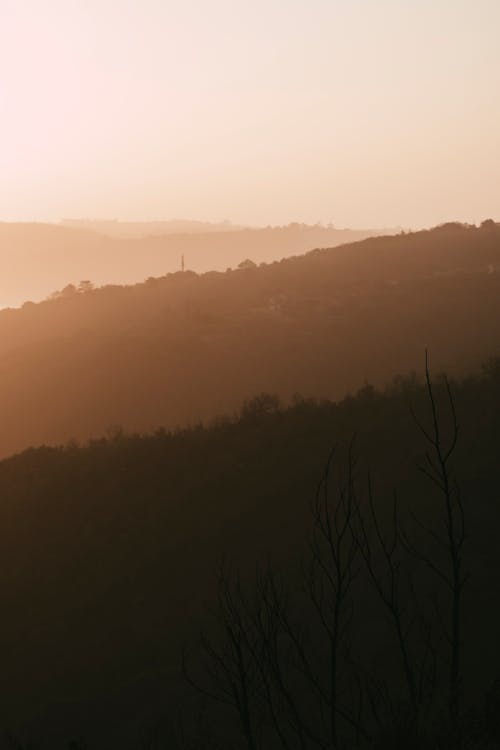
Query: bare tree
point(284, 664)
point(333, 569)
point(229, 663)
point(447, 538)
point(382, 550)
point(265, 668)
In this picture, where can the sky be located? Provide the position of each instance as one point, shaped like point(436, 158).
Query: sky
point(364, 113)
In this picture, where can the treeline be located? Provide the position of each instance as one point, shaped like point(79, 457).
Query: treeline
point(110, 552)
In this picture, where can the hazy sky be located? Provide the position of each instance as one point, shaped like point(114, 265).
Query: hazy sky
point(360, 112)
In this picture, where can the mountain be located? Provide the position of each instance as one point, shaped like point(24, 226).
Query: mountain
point(38, 259)
point(185, 347)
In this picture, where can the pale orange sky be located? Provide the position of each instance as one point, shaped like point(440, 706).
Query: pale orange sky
point(360, 112)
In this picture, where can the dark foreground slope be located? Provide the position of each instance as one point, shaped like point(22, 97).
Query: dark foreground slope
point(108, 551)
point(184, 347)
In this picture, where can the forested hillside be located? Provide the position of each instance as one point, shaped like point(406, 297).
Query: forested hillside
point(109, 551)
point(185, 347)
point(38, 259)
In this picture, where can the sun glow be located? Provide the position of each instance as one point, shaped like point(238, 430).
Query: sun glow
point(357, 112)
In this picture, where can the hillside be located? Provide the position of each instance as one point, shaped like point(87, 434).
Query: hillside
point(38, 259)
point(185, 347)
point(109, 551)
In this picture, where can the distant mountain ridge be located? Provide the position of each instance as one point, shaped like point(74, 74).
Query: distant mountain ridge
point(138, 229)
point(38, 259)
point(185, 347)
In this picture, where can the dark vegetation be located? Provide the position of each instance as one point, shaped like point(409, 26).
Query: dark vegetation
point(186, 347)
point(367, 624)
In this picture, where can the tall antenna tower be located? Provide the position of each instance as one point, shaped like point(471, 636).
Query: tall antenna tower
point(182, 263)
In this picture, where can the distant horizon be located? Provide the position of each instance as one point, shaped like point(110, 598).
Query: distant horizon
point(68, 220)
point(194, 220)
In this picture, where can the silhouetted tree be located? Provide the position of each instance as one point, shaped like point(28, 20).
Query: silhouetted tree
point(266, 665)
point(447, 538)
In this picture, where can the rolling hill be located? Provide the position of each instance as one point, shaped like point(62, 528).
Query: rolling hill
point(38, 259)
point(185, 347)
